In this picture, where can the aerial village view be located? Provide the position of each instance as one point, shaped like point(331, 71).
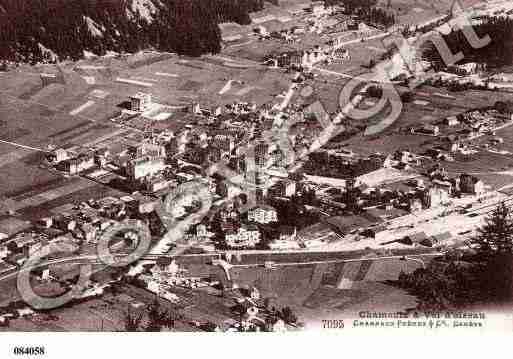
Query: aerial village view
point(253, 200)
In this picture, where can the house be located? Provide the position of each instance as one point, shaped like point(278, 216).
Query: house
point(82, 162)
point(202, 231)
point(415, 238)
point(497, 140)
point(284, 188)
point(89, 232)
point(263, 214)
point(438, 172)
point(244, 237)
point(4, 252)
point(65, 223)
point(451, 121)
point(60, 155)
point(414, 205)
point(225, 143)
point(469, 68)
point(344, 225)
point(152, 150)
point(441, 238)
point(262, 151)
point(22, 242)
point(430, 130)
point(261, 30)
point(287, 233)
point(437, 195)
point(19, 258)
point(471, 185)
point(283, 245)
point(144, 166)
point(46, 222)
point(140, 102)
point(158, 183)
point(101, 157)
point(318, 8)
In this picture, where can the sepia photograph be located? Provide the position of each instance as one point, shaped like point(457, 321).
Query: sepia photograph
point(247, 166)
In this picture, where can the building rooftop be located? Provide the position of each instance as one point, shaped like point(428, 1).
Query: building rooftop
point(348, 224)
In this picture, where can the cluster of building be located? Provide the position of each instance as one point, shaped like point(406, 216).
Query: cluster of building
point(162, 277)
point(305, 59)
point(77, 226)
point(456, 132)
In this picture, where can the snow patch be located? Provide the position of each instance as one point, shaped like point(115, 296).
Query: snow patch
point(145, 8)
point(110, 53)
point(90, 80)
point(94, 28)
point(89, 54)
point(49, 54)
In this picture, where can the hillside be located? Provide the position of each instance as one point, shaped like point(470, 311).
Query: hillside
point(39, 30)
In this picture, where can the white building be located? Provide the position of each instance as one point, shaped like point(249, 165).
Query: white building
point(142, 167)
point(246, 236)
point(263, 215)
point(60, 155)
point(284, 188)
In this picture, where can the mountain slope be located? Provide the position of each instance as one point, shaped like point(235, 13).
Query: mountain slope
point(35, 30)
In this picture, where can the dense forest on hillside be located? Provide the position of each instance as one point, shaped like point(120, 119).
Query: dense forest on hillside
point(366, 10)
point(68, 27)
point(498, 53)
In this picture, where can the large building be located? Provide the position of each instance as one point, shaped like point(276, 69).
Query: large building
point(144, 166)
point(245, 237)
point(284, 188)
point(150, 149)
point(79, 164)
point(263, 214)
point(140, 102)
point(261, 154)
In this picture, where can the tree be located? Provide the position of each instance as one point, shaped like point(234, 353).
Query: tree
point(504, 107)
point(496, 236)
point(133, 322)
point(157, 318)
point(407, 97)
point(375, 91)
point(288, 315)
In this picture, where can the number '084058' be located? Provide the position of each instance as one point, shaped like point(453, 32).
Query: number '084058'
point(28, 351)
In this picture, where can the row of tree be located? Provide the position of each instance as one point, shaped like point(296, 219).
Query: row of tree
point(68, 27)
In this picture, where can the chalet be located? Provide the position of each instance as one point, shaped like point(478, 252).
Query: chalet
point(82, 162)
point(471, 185)
point(415, 205)
point(451, 121)
point(430, 130)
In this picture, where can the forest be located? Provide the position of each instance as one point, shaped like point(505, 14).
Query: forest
point(496, 54)
point(366, 10)
point(70, 27)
